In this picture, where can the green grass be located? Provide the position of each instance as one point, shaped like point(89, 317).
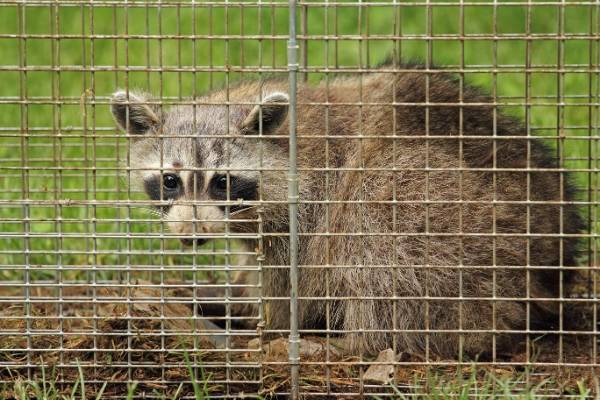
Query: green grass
point(47, 387)
point(74, 154)
point(478, 384)
point(466, 384)
point(87, 139)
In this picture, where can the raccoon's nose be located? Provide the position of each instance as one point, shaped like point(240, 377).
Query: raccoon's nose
point(190, 242)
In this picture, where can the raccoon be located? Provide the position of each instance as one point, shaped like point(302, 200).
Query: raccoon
point(424, 225)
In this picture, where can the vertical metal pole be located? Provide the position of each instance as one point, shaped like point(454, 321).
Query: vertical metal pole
point(293, 204)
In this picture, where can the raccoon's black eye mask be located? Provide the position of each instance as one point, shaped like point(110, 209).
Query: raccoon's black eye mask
point(169, 186)
point(220, 182)
point(163, 187)
point(239, 188)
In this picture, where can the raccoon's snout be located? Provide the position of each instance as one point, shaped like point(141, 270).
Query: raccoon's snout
point(184, 221)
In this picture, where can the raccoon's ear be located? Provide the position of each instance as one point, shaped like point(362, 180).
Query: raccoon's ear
point(132, 113)
point(269, 115)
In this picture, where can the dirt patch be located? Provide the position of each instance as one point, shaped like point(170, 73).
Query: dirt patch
point(132, 334)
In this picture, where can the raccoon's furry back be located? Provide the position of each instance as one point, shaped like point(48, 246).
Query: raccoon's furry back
point(428, 219)
point(407, 227)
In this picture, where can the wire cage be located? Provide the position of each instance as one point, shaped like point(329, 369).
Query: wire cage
point(311, 199)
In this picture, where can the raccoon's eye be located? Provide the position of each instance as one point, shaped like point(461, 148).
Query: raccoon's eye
point(220, 183)
point(170, 181)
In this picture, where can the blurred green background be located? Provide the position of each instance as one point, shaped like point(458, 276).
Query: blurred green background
point(59, 64)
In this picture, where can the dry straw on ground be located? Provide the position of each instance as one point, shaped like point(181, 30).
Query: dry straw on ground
point(100, 347)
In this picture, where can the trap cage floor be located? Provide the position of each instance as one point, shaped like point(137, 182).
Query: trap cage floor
point(98, 297)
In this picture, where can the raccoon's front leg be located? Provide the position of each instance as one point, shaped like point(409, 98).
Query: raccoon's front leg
point(241, 308)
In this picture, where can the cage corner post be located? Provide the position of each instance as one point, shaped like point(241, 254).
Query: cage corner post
point(294, 338)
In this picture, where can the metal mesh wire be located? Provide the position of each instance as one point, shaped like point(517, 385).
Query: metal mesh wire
point(94, 284)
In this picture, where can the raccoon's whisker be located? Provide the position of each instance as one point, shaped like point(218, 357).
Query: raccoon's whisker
point(242, 210)
point(157, 213)
point(152, 211)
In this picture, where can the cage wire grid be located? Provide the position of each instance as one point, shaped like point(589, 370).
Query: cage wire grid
point(95, 284)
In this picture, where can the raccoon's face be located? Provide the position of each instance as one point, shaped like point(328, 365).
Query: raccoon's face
point(208, 164)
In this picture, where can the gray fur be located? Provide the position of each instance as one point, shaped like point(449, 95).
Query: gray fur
point(409, 250)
